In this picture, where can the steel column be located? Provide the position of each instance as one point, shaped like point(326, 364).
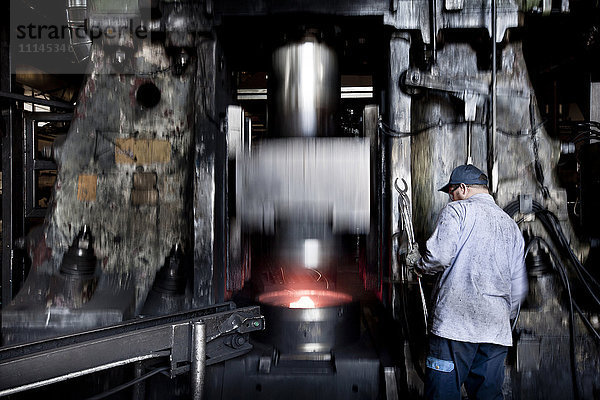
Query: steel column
point(6, 108)
point(12, 178)
point(139, 389)
point(398, 159)
point(492, 164)
point(198, 357)
point(206, 130)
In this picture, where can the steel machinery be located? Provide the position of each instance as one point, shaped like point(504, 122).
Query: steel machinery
point(286, 155)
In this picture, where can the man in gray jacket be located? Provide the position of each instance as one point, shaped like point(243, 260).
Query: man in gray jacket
point(478, 251)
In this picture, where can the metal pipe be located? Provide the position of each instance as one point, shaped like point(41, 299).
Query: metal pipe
point(469, 143)
point(198, 358)
point(433, 39)
point(492, 167)
point(305, 90)
point(139, 389)
point(77, 17)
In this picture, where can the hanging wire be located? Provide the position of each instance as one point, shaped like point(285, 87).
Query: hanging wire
point(128, 384)
point(388, 131)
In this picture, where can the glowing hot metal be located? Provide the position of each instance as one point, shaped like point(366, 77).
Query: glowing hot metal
point(303, 302)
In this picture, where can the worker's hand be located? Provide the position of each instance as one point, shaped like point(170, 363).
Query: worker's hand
point(413, 257)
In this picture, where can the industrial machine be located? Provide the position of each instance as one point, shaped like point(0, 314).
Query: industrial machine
point(241, 180)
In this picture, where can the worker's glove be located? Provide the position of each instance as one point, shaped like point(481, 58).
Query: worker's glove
point(413, 257)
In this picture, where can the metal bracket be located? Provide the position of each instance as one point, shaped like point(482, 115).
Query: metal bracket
point(525, 204)
point(473, 90)
point(455, 84)
point(239, 324)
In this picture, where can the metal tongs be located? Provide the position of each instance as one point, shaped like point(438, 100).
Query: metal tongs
point(406, 221)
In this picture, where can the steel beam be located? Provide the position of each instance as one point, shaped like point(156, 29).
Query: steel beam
point(31, 164)
point(36, 100)
point(173, 337)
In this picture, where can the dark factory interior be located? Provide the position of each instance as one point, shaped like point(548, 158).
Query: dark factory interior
point(216, 199)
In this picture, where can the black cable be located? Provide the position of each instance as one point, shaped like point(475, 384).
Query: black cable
point(527, 249)
point(512, 208)
point(154, 73)
point(578, 264)
point(552, 226)
point(563, 274)
point(514, 324)
point(388, 131)
point(559, 232)
point(385, 129)
point(586, 123)
point(586, 321)
point(585, 135)
point(127, 384)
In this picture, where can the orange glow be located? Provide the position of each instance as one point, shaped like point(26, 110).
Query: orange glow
point(303, 302)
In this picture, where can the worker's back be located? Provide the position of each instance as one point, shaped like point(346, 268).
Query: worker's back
point(482, 250)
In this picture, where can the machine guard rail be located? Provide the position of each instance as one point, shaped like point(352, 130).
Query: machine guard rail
point(224, 329)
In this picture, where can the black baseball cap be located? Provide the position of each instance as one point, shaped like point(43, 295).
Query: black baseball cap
point(467, 174)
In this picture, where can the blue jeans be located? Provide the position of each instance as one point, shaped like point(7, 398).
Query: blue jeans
point(480, 366)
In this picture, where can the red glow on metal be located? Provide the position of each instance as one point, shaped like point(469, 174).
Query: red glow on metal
point(301, 298)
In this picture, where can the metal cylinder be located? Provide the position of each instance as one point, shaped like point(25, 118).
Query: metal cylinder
point(139, 389)
point(305, 90)
point(198, 348)
point(334, 322)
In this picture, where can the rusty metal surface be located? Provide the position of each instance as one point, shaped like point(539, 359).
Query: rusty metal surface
point(134, 227)
point(439, 144)
point(522, 141)
point(144, 178)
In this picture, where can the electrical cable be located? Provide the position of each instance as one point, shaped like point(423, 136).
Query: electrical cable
point(511, 209)
point(565, 280)
point(584, 131)
point(388, 131)
point(128, 384)
point(514, 324)
point(586, 321)
point(552, 226)
point(559, 232)
point(385, 129)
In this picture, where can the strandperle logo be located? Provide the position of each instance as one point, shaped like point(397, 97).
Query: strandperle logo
point(33, 31)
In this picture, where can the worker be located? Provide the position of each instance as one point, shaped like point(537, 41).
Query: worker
point(478, 251)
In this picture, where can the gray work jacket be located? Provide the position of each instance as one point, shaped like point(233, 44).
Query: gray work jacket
point(478, 249)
